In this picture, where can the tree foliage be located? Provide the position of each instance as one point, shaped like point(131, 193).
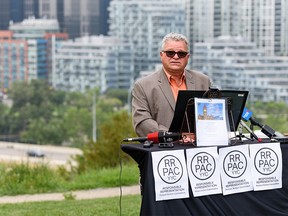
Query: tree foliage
point(122, 95)
point(43, 115)
point(271, 113)
point(106, 151)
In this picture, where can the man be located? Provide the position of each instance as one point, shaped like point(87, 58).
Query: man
point(154, 96)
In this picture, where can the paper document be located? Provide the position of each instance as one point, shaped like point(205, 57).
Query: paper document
point(211, 122)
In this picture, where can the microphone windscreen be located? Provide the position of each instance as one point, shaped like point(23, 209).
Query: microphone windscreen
point(246, 115)
point(153, 137)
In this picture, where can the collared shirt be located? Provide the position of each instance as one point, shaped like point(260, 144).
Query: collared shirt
point(175, 87)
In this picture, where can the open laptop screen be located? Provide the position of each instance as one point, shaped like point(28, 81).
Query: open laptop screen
point(236, 102)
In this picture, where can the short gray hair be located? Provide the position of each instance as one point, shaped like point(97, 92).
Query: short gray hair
point(175, 37)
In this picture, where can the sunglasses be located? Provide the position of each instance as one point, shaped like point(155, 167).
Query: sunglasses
point(171, 54)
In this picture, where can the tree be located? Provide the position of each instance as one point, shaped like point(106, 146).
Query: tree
point(78, 125)
point(106, 150)
point(41, 132)
point(120, 94)
point(271, 113)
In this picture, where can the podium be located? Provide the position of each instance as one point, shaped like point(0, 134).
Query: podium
point(269, 202)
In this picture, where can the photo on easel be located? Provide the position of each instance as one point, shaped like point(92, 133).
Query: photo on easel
point(184, 115)
point(211, 122)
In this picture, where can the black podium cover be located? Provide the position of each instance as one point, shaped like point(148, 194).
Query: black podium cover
point(254, 203)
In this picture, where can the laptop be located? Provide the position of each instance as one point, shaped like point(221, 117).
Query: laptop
point(185, 106)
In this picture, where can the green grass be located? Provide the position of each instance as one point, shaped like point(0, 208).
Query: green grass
point(105, 177)
point(23, 179)
point(130, 206)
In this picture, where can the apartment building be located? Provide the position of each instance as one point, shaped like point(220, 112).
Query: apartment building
point(263, 22)
point(92, 61)
point(235, 63)
point(143, 24)
point(13, 60)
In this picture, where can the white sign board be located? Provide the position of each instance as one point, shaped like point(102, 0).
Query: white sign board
point(203, 171)
point(170, 175)
point(266, 160)
point(235, 170)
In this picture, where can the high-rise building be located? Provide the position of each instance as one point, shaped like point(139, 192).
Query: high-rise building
point(5, 14)
point(281, 28)
point(16, 10)
point(91, 61)
point(34, 32)
point(103, 17)
point(52, 9)
point(32, 28)
point(143, 24)
point(11, 10)
point(13, 59)
point(51, 39)
point(262, 22)
point(85, 17)
point(235, 63)
point(31, 9)
point(77, 18)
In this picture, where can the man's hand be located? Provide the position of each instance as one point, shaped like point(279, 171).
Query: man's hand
point(188, 137)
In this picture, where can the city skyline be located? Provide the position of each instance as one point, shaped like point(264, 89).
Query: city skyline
point(139, 27)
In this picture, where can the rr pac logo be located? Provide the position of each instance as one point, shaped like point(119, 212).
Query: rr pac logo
point(235, 164)
point(170, 169)
point(203, 165)
point(266, 161)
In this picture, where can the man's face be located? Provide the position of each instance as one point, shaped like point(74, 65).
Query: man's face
point(174, 65)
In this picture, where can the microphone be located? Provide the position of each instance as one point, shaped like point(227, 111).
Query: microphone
point(247, 115)
point(250, 131)
point(157, 137)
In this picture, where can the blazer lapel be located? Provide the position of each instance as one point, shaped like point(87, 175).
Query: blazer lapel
point(190, 81)
point(166, 89)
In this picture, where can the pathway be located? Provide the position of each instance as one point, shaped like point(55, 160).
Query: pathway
point(79, 195)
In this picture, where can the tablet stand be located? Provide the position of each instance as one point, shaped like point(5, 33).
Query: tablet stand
point(188, 123)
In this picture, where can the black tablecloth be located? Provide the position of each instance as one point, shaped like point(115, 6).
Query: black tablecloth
point(269, 202)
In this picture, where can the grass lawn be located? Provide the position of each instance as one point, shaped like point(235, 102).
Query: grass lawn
point(22, 179)
point(130, 206)
point(16, 179)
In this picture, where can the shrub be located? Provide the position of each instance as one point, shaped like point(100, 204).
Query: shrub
point(20, 178)
point(106, 150)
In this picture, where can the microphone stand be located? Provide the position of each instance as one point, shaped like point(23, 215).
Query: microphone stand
point(241, 135)
point(252, 128)
point(241, 125)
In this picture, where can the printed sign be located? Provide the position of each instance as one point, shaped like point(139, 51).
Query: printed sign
point(211, 122)
point(236, 169)
point(203, 171)
point(266, 160)
point(170, 175)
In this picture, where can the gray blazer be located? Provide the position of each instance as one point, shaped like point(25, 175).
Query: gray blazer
point(153, 103)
